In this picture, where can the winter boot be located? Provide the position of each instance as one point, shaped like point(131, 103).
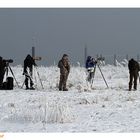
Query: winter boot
point(65, 89)
point(130, 86)
point(60, 89)
point(135, 87)
point(27, 88)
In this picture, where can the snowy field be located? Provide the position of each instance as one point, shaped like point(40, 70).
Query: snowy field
point(81, 109)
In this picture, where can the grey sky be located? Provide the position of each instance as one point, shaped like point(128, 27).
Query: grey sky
point(58, 31)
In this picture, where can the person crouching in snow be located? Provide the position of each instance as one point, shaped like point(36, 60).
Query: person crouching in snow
point(64, 66)
point(90, 66)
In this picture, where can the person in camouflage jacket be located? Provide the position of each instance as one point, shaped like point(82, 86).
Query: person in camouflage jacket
point(64, 66)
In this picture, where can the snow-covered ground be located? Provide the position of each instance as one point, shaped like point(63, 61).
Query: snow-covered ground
point(81, 109)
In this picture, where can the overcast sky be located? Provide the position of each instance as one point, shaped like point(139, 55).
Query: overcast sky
point(57, 31)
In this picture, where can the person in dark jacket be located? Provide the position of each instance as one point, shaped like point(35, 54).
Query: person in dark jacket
point(64, 66)
point(2, 71)
point(134, 68)
point(29, 62)
point(90, 66)
point(90, 62)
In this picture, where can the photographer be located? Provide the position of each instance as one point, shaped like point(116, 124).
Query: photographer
point(28, 70)
point(134, 68)
point(64, 66)
point(90, 66)
point(2, 71)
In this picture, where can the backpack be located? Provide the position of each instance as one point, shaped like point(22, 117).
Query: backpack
point(9, 84)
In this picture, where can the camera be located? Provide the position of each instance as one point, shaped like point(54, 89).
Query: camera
point(8, 61)
point(100, 58)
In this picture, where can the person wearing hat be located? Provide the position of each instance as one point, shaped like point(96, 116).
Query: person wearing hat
point(134, 68)
point(64, 66)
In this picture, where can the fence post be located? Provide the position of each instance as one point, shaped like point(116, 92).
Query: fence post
point(85, 53)
point(127, 57)
point(33, 52)
point(138, 57)
point(115, 58)
point(101, 55)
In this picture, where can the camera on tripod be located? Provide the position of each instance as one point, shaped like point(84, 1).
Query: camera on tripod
point(92, 69)
point(9, 84)
point(100, 59)
point(7, 61)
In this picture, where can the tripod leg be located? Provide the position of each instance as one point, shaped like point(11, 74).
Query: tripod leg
point(35, 79)
point(103, 76)
point(23, 84)
point(13, 75)
point(139, 77)
point(90, 78)
point(39, 78)
point(6, 71)
point(29, 77)
point(93, 76)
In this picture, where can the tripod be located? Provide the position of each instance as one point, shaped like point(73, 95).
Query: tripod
point(7, 70)
point(39, 77)
point(31, 79)
point(92, 75)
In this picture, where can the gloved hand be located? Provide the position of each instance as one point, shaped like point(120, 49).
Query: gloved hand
point(35, 65)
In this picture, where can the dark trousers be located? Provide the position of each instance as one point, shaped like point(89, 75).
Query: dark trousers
point(63, 81)
point(133, 77)
point(1, 80)
point(28, 78)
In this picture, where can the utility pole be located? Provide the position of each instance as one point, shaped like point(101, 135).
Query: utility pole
point(33, 47)
point(115, 58)
point(33, 52)
point(138, 57)
point(127, 57)
point(36, 58)
point(97, 56)
point(85, 51)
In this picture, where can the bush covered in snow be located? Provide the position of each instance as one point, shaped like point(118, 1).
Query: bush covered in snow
point(59, 113)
